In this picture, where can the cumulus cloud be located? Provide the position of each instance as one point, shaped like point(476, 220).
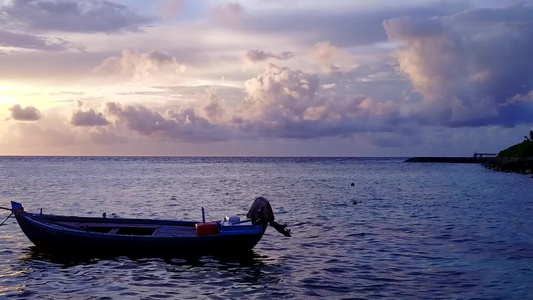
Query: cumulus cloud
point(279, 91)
point(88, 118)
point(280, 103)
point(467, 66)
point(284, 103)
point(28, 113)
point(70, 16)
point(253, 56)
point(139, 65)
point(184, 125)
point(332, 70)
point(332, 59)
point(213, 107)
point(228, 15)
point(325, 51)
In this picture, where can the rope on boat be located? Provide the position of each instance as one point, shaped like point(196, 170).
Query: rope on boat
point(6, 219)
point(11, 210)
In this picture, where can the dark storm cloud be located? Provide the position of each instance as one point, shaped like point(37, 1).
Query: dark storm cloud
point(88, 118)
point(70, 16)
point(469, 66)
point(260, 55)
point(184, 125)
point(349, 27)
point(28, 113)
point(26, 41)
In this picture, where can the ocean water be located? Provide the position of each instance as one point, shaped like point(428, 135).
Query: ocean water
point(403, 231)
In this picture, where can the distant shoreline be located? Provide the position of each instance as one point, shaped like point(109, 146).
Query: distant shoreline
point(503, 164)
point(520, 165)
point(454, 160)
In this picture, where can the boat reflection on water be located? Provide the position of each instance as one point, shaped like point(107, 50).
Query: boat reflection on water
point(245, 275)
point(247, 268)
point(247, 258)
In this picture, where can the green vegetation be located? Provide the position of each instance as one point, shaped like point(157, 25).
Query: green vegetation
point(524, 149)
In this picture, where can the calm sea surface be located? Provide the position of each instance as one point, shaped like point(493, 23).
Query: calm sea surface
point(404, 230)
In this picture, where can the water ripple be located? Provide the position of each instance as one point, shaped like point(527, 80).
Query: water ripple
point(403, 231)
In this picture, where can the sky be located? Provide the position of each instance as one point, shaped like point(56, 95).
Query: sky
point(265, 77)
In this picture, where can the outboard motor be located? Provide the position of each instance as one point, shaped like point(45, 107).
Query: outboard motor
point(261, 213)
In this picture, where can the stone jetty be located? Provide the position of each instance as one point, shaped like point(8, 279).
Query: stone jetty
point(454, 160)
point(519, 165)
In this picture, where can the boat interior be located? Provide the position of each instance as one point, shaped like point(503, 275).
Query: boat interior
point(123, 226)
point(136, 229)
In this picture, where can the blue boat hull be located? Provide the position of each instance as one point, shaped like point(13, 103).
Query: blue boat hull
point(49, 233)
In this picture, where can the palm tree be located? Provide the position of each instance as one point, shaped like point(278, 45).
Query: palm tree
point(530, 138)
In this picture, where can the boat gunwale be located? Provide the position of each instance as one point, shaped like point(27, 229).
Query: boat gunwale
point(80, 232)
point(60, 218)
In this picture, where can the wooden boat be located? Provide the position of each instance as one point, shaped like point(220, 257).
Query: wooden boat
point(72, 234)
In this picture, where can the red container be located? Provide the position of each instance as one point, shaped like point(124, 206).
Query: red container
point(207, 228)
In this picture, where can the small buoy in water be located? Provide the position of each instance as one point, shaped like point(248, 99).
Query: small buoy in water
point(354, 202)
point(353, 184)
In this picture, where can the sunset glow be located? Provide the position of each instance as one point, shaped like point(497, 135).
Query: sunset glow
point(264, 78)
